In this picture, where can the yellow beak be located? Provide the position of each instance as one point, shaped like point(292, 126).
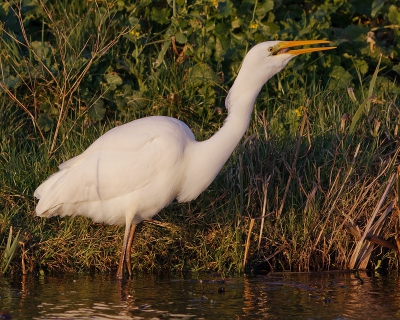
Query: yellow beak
point(283, 46)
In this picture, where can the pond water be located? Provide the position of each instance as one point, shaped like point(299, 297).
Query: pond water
point(273, 296)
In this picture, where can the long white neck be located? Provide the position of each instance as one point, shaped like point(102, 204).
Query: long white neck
point(240, 103)
point(208, 157)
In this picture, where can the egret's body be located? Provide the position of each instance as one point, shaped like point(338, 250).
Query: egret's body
point(133, 171)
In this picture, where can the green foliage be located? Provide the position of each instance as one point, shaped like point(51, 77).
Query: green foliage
point(69, 71)
point(52, 62)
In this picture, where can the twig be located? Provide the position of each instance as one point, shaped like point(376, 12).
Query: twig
point(246, 251)
point(14, 98)
point(292, 171)
point(361, 252)
point(264, 208)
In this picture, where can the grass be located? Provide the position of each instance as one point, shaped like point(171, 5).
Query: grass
point(300, 187)
point(312, 186)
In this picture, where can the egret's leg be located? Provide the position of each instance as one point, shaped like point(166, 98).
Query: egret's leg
point(123, 253)
point(129, 249)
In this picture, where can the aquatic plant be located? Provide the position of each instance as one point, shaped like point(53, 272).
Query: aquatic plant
point(10, 250)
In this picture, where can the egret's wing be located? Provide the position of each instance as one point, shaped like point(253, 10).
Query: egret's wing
point(118, 163)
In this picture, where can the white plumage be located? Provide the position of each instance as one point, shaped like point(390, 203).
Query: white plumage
point(133, 171)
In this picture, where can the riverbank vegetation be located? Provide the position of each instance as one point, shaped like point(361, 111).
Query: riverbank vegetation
point(312, 186)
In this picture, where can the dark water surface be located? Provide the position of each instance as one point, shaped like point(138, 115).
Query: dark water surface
point(274, 296)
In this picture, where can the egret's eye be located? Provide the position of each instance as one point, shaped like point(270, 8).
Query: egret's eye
point(270, 49)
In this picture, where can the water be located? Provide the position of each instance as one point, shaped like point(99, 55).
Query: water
point(274, 296)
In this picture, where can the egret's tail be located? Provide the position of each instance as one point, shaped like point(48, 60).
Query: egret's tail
point(47, 205)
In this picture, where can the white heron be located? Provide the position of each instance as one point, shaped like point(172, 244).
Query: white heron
point(133, 171)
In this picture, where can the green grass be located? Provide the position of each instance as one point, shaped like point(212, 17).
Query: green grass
point(312, 168)
point(303, 187)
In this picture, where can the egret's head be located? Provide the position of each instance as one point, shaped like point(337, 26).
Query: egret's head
point(270, 57)
point(262, 62)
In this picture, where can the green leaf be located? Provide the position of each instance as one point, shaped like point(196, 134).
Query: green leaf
point(45, 122)
point(225, 8)
point(208, 94)
point(180, 38)
point(120, 102)
point(372, 85)
point(201, 74)
point(160, 15)
point(269, 28)
point(162, 53)
point(356, 32)
point(43, 50)
point(137, 101)
point(12, 82)
point(396, 68)
point(236, 23)
point(365, 106)
point(376, 6)
point(361, 65)
point(97, 110)
point(340, 77)
point(222, 30)
point(133, 21)
point(113, 79)
point(394, 14)
point(264, 7)
point(219, 50)
point(144, 3)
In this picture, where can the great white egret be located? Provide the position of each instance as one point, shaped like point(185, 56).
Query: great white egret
point(133, 171)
